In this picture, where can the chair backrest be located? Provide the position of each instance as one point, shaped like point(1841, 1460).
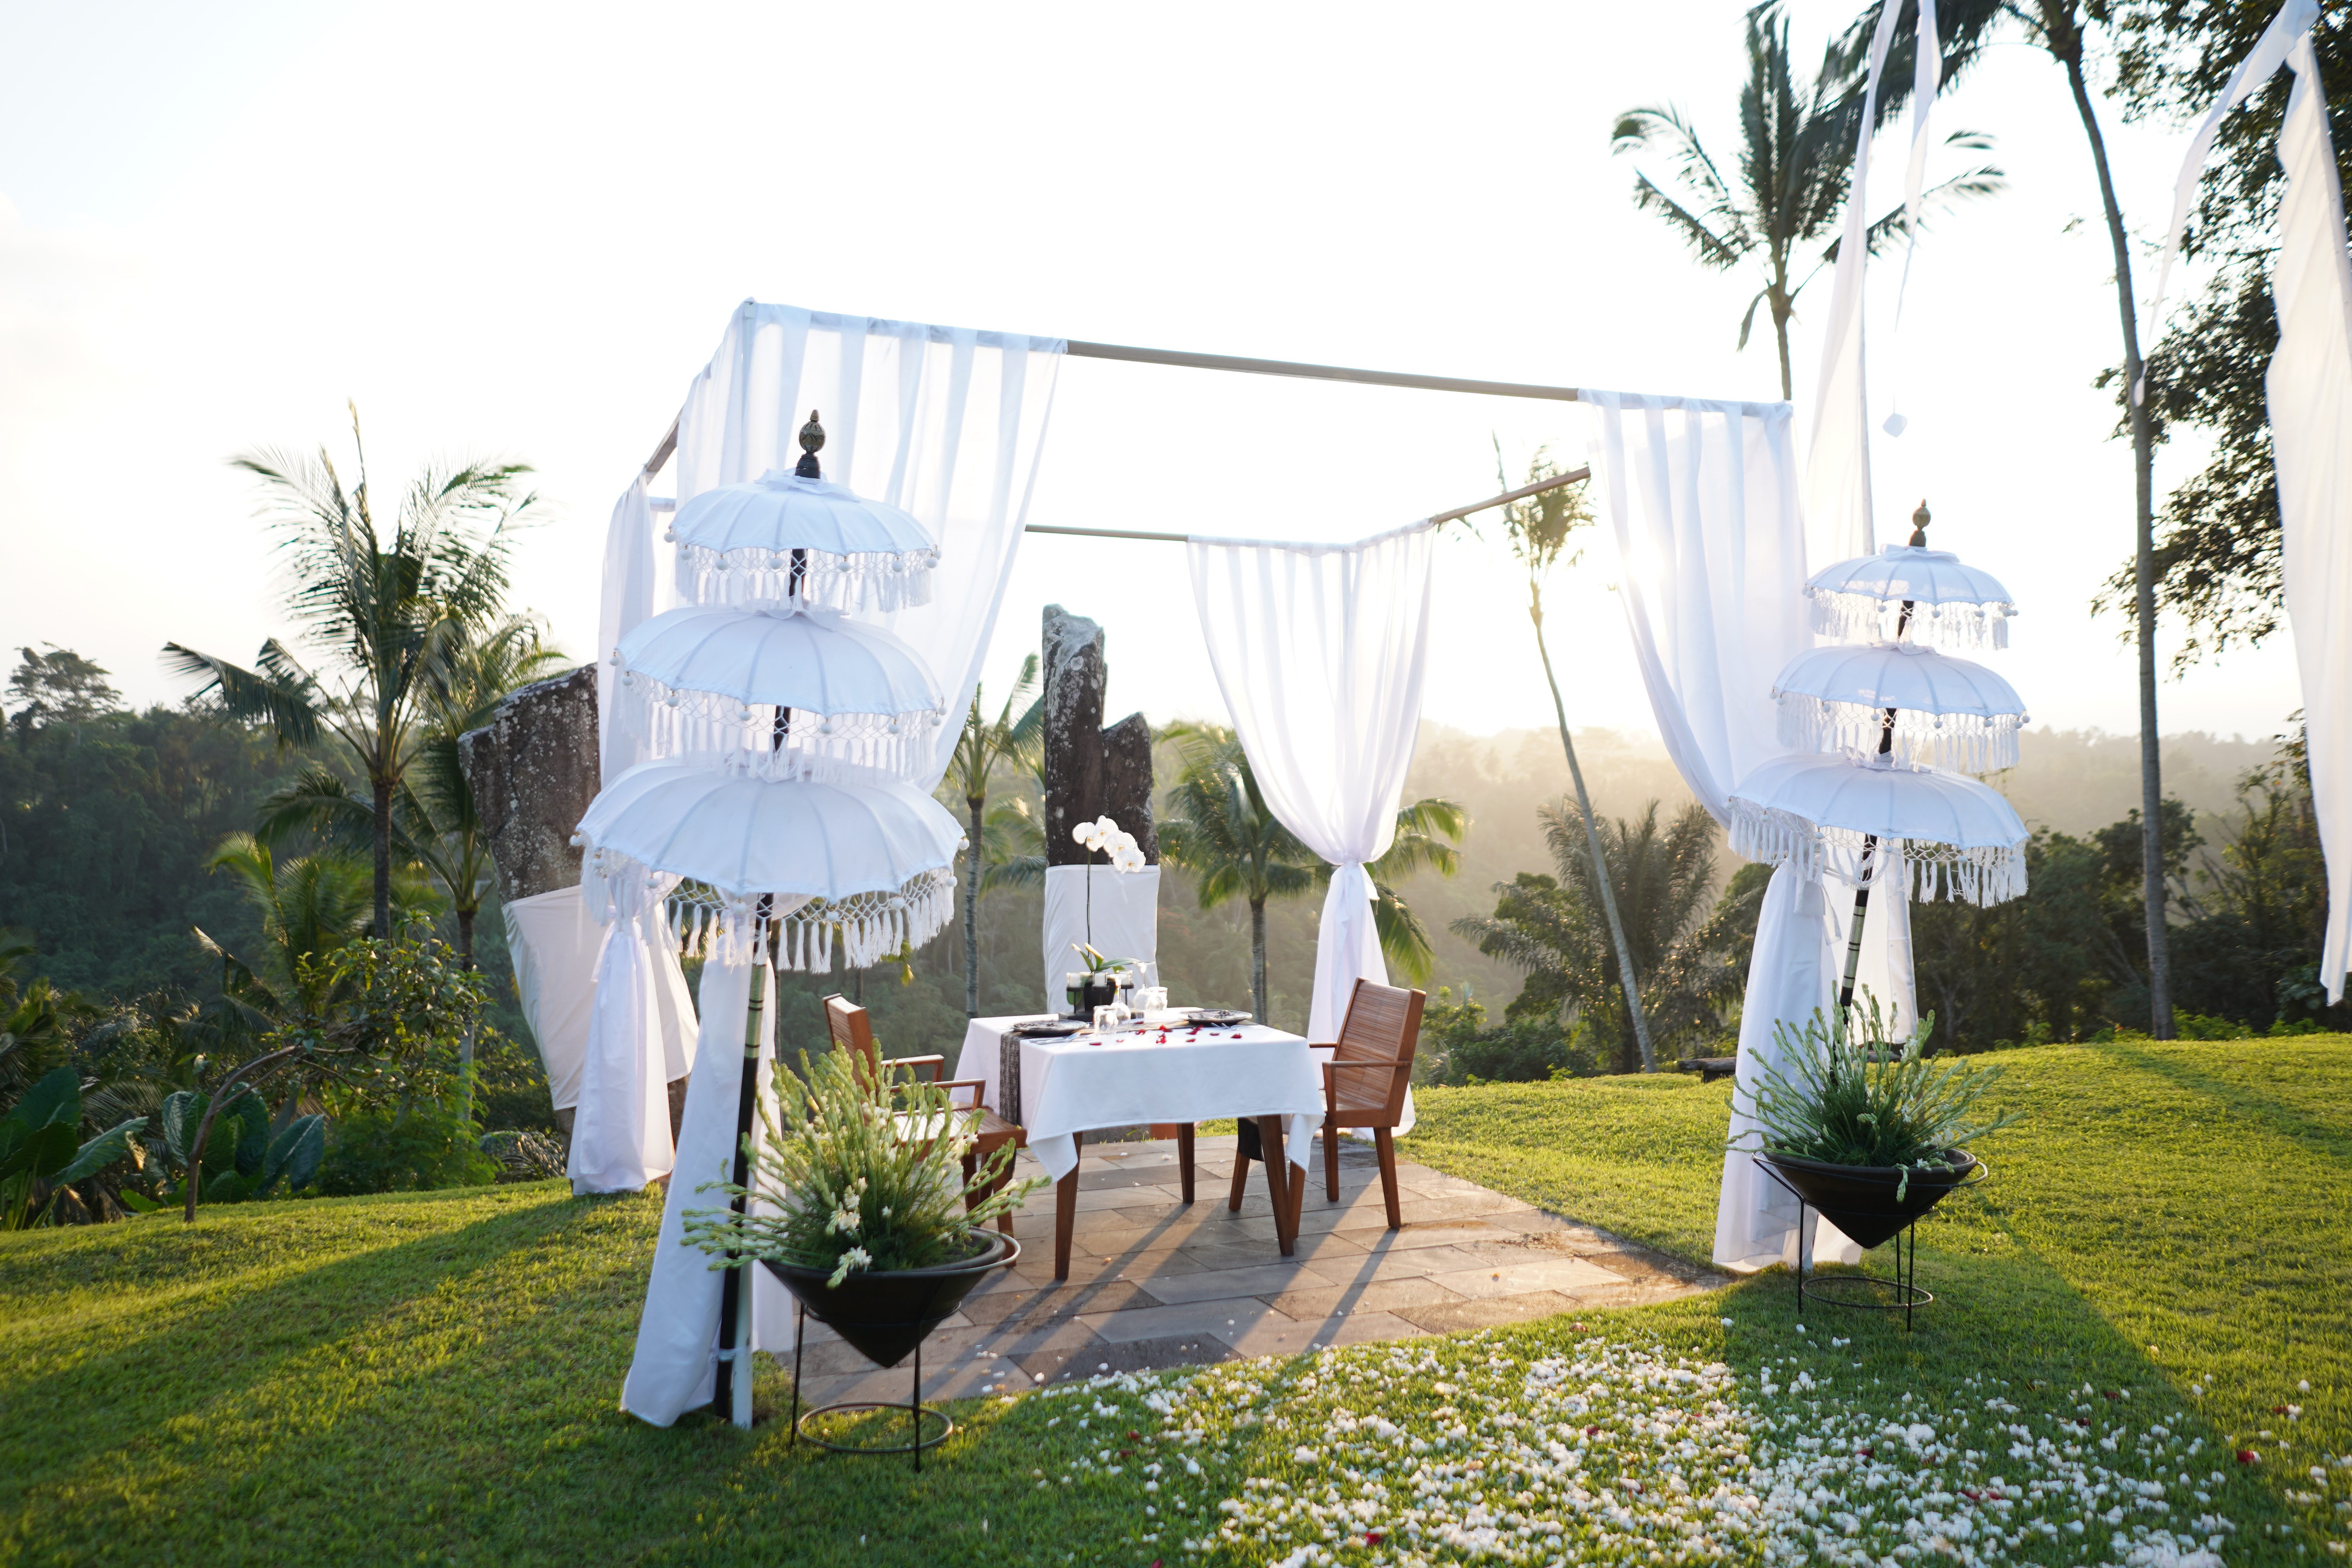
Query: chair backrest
point(851, 1030)
point(1383, 1027)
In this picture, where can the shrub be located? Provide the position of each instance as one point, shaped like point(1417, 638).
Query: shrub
point(405, 1149)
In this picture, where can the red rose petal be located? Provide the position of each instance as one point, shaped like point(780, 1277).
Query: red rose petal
point(1373, 1538)
point(1865, 1453)
point(2248, 1457)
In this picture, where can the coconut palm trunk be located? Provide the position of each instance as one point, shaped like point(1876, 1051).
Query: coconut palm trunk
point(1625, 976)
point(2062, 34)
point(1258, 958)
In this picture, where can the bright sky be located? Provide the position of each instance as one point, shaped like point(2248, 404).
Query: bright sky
point(521, 230)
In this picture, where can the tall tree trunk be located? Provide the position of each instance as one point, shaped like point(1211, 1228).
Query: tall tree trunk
point(1625, 975)
point(1781, 311)
point(383, 789)
point(466, 1046)
point(972, 914)
point(1257, 960)
point(2068, 46)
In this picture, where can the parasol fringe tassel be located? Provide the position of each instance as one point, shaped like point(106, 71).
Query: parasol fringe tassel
point(861, 581)
point(1865, 617)
point(725, 733)
point(1961, 742)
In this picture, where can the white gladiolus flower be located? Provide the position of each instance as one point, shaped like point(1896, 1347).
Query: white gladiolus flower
point(855, 1258)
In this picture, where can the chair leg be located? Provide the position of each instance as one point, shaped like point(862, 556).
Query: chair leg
point(1240, 1181)
point(1184, 1157)
point(1331, 1159)
point(1386, 1144)
point(971, 1165)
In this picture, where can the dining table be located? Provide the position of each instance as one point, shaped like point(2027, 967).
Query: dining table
point(1058, 1089)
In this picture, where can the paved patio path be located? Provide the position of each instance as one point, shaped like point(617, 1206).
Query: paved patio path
point(1154, 1282)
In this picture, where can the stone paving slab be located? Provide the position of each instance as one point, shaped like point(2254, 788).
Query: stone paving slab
point(1155, 1282)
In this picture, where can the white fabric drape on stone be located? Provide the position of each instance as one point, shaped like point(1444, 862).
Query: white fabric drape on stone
point(1701, 500)
point(1837, 465)
point(1125, 920)
point(672, 1370)
point(1318, 650)
point(945, 422)
point(639, 1040)
point(556, 944)
point(2309, 392)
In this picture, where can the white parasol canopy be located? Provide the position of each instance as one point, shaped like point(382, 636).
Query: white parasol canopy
point(1960, 839)
point(736, 545)
point(1948, 711)
point(708, 680)
point(870, 859)
point(1952, 605)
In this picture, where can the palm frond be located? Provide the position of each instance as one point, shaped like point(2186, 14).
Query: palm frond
point(279, 697)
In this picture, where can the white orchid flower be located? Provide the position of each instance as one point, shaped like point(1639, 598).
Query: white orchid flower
point(1087, 834)
point(855, 1258)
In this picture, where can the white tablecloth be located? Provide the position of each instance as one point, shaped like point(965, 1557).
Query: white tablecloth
point(1075, 1085)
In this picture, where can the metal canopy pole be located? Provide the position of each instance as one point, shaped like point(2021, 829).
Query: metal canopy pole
point(1574, 477)
point(1236, 363)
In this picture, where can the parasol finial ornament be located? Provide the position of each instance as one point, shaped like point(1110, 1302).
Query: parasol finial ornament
point(1919, 521)
point(812, 442)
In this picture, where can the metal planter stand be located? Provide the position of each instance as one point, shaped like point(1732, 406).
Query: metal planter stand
point(914, 1407)
point(1868, 1292)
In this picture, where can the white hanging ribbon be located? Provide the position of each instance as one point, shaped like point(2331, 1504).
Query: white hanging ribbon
point(2294, 18)
point(1926, 80)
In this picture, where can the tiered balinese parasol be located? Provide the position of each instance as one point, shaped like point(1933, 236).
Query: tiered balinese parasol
point(1884, 713)
point(779, 817)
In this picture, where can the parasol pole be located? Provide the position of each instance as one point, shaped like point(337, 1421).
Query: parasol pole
point(729, 1393)
point(1920, 520)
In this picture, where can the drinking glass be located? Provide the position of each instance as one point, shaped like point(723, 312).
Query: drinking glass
point(1153, 1000)
point(1107, 1018)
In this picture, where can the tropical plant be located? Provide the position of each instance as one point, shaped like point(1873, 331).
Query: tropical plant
point(434, 824)
point(57, 687)
point(1220, 830)
point(392, 616)
point(247, 1166)
point(1556, 930)
point(1796, 157)
point(1853, 1093)
point(43, 1152)
point(385, 1030)
point(838, 1185)
point(308, 904)
point(984, 743)
point(37, 1021)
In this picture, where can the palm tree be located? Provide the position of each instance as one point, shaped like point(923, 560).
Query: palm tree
point(983, 744)
point(308, 905)
point(1220, 829)
point(390, 616)
point(2057, 25)
point(1538, 528)
point(434, 824)
point(1555, 928)
point(1797, 141)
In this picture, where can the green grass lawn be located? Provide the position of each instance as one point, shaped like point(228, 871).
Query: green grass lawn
point(434, 1377)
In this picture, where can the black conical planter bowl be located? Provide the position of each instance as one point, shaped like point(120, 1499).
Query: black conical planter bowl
point(1860, 1199)
point(887, 1313)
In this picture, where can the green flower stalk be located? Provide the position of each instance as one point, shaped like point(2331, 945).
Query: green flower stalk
point(858, 1174)
point(1866, 1101)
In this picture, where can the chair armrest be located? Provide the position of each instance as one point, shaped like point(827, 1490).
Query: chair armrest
point(978, 1086)
point(1368, 1062)
point(939, 1064)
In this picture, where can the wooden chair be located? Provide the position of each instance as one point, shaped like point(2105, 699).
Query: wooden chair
point(1364, 1083)
point(852, 1031)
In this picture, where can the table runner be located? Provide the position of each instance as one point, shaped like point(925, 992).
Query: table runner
point(1077, 1085)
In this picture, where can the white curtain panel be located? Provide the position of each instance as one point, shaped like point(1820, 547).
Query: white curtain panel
point(672, 1370)
point(945, 422)
point(556, 944)
point(1318, 651)
point(1121, 908)
point(640, 1039)
point(1701, 499)
point(2310, 388)
point(1793, 973)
